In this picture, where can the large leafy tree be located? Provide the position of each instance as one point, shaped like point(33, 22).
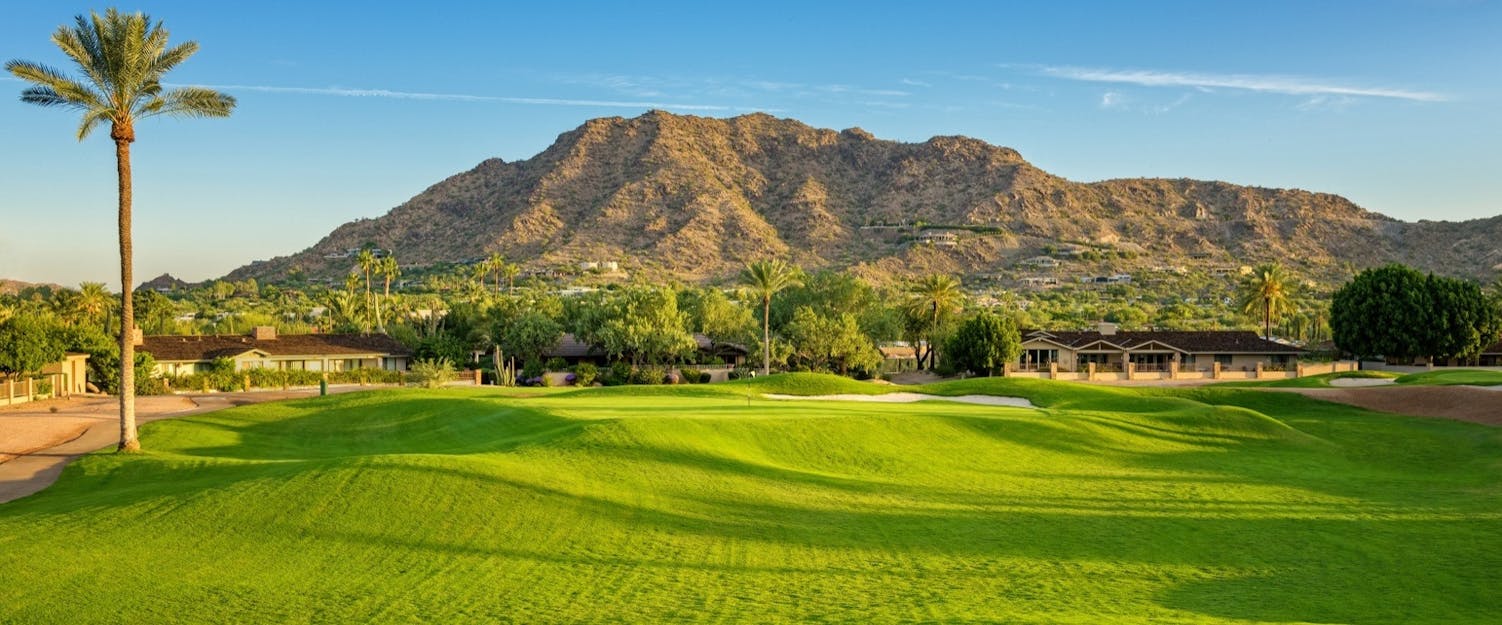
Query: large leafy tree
point(825, 343)
point(984, 343)
point(531, 335)
point(1265, 293)
point(123, 58)
point(931, 302)
point(764, 280)
point(1399, 313)
point(30, 342)
point(725, 322)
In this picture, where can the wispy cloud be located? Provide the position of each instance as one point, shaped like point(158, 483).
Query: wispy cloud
point(1111, 100)
point(1266, 83)
point(916, 83)
point(460, 97)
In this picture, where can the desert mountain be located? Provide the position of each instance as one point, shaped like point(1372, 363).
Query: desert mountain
point(695, 198)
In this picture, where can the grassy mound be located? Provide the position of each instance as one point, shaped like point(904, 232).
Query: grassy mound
point(708, 504)
point(806, 384)
point(1476, 377)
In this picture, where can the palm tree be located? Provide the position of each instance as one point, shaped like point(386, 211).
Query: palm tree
point(494, 265)
point(1266, 290)
point(389, 271)
point(368, 262)
point(123, 59)
point(510, 271)
point(931, 300)
point(94, 301)
point(765, 279)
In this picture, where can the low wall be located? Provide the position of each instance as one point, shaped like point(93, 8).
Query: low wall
point(1382, 366)
point(1203, 374)
point(21, 390)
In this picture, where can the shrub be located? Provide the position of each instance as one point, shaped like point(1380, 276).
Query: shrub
point(557, 364)
point(432, 373)
point(644, 375)
point(620, 373)
point(533, 369)
point(586, 373)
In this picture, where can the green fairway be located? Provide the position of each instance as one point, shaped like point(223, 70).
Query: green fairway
point(709, 504)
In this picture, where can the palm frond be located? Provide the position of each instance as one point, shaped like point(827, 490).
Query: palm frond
point(172, 57)
point(92, 119)
point(52, 88)
point(190, 102)
point(81, 43)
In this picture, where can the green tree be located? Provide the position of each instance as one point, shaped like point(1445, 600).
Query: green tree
point(645, 325)
point(1399, 313)
point(931, 302)
point(531, 335)
point(984, 343)
point(1462, 321)
point(30, 342)
point(718, 318)
point(830, 343)
point(1265, 293)
point(1382, 312)
point(765, 279)
point(123, 58)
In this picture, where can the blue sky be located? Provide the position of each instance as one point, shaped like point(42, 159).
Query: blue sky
point(347, 110)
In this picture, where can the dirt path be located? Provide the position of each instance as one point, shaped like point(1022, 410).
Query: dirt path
point(1465, 403)
point(36, 443)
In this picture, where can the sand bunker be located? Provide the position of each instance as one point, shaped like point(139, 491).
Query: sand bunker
point(907, 398)
point(1359, 382)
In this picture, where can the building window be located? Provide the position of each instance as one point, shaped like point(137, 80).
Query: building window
point(1223, 359)
point(1039, 357)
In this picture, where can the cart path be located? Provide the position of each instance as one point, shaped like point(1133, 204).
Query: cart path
point(36, 443)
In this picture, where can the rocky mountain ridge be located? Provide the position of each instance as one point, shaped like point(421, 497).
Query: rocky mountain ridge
point(694, 198)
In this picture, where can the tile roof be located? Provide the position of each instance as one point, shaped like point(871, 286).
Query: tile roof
point(209, 347)
point(1190, 341)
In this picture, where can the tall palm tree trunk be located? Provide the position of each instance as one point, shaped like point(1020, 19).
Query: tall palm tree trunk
point(385, 301)
point(1267, 319)
point(369, 300)
point(128, 440)
point(766, 335)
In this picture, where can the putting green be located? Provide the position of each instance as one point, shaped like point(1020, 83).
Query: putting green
point(707, 504)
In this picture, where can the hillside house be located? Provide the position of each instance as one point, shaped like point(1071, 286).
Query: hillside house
point(264, 349)
point(939, 238)
point(1041, 262)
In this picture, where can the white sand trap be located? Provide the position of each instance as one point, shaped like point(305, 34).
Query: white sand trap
point(1359, 382)
point(908, 398)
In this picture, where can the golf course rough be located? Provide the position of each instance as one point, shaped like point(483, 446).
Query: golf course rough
point(692, 504)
